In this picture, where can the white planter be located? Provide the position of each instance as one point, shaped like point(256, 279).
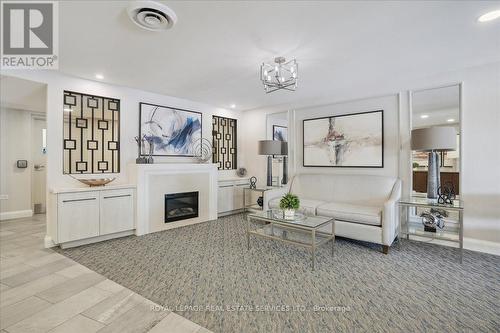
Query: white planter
point(289, 214)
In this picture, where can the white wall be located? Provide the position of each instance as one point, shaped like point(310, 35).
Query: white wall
point(480, 126)
point(129, 112)
point(480, 148)
point(15, 144)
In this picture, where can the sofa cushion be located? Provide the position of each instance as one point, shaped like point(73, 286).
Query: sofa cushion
point(307, 206)
point(354, 189)
point(351, 213)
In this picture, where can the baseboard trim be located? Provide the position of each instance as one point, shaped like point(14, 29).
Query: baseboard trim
point(482, 246)
point(96, 239)
point(48, 242)
point(17, 214)
point(231, 212)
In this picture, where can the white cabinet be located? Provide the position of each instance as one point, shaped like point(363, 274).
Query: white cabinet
point(94, 214)
point(230, 195)
point(78, 216)
point(225, 198)
point(116, 211)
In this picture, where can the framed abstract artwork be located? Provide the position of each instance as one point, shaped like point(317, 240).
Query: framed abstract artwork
point(280, 133)
point(348, 141)
point(171, 130)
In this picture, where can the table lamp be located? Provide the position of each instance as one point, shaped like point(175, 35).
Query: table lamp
point(270, 148)
point(433, 140)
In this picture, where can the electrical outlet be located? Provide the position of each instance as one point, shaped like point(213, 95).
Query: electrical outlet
point(4, 197)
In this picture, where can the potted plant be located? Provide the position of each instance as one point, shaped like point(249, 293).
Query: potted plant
point(289, 203)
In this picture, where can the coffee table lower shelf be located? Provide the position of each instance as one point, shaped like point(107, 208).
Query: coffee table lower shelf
point(290, 233)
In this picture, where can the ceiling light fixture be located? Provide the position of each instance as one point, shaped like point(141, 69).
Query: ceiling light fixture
point(233, 106)
point(280, 75)
point(151, 15)
point(424, 116)
point(490, 16)
point(99, 76)
point(450, 120)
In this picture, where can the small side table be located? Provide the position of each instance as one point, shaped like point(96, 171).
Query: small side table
point(449, 233)
point(250, 196)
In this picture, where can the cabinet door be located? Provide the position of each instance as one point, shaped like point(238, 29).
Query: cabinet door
point(225, 198)
point(117, 211)
point(78, 216)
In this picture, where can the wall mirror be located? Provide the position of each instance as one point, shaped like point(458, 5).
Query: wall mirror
point(436, 107)
point(277, 129)
point(91, 138)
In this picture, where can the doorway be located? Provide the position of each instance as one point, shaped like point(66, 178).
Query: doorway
point(23, 148)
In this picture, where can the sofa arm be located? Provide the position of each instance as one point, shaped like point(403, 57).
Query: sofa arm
point(390, 216)
point(273, 194)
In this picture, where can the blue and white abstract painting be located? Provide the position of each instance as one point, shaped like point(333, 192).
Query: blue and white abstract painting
point(171, 130)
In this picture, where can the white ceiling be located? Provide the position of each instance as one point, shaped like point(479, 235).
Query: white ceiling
point(22, 94)
point(213, 53)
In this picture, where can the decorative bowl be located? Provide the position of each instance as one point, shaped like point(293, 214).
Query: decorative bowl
point(95, 182)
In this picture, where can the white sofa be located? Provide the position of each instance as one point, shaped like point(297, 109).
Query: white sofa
point(364, 207)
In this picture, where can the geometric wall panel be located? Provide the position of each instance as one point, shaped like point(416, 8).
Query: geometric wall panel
point(224, 151)
point(91, 134)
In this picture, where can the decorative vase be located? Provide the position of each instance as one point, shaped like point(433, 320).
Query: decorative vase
point(289, 214)
point(151, 149)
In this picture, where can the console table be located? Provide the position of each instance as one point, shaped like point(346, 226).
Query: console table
point(451, 232)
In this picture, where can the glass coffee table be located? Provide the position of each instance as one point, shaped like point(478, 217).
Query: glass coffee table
point(302, 230)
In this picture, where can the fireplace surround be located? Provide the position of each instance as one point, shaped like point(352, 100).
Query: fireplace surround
point(181, 206)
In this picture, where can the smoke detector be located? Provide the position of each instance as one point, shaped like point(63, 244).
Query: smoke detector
point(151, 15)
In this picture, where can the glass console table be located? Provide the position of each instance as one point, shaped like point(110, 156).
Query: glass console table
point(413, 226)
point(251, 197)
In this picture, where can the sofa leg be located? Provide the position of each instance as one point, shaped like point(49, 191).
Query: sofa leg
point(385, 249)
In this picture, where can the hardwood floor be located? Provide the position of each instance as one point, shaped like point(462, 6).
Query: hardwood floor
point(43, 291)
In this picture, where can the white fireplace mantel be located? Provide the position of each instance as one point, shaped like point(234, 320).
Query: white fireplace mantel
point(153, 181)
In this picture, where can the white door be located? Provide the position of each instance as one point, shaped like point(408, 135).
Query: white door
point(38, 164)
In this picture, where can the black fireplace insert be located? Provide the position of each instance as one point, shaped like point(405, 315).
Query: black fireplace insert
point(181, 206)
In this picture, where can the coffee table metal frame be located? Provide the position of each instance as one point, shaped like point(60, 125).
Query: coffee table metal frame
point(294, 226)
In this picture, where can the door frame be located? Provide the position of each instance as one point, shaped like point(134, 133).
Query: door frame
point(36, 116)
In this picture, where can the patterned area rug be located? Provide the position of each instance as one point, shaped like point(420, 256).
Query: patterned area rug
point(205, 273)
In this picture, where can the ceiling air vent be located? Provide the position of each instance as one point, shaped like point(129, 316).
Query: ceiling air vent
point(152, 15)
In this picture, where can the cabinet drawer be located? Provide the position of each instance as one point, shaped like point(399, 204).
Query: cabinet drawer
point(116, 211)
point(78, 216)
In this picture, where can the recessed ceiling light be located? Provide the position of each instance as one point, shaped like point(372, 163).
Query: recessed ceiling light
point(99, 76)
point(424, 116)
point(233, 106)
point(450, 120)
point(490, 16)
